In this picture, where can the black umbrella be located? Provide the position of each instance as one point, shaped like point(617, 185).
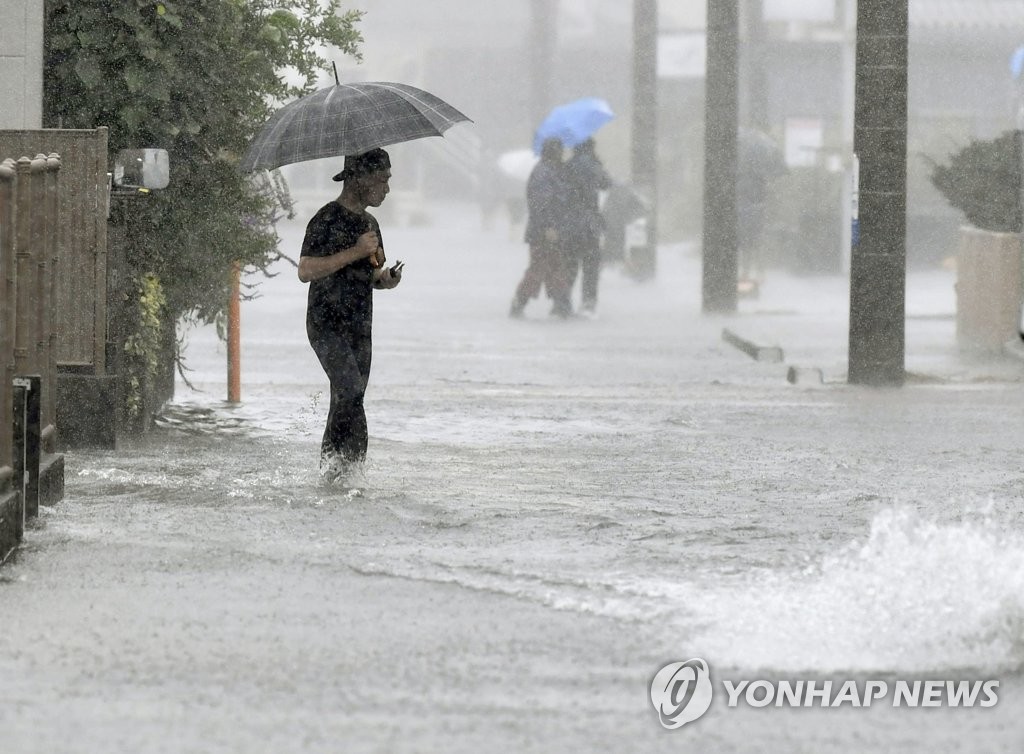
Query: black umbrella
point(348, 119)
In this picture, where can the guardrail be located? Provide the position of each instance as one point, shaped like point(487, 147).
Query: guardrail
point(30, 470)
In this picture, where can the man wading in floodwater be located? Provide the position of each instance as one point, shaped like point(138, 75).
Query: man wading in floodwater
point(343, 261)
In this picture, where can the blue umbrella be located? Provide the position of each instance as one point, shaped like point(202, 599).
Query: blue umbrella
point(574, 122)
point(1017, 62)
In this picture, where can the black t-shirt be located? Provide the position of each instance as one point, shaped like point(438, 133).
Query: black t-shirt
point(344, 299)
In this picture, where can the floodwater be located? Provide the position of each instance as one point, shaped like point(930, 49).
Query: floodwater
point(555, 510)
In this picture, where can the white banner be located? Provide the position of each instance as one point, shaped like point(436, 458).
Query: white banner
point(821, 11)
point(682, 55)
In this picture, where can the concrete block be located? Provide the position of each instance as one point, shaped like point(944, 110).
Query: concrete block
point(11, 522)
point(805, 376)
point(51, 478)
point(86, 410)
point(988, 289)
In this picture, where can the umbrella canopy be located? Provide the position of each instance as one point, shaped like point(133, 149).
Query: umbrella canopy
point(574, 122)
point(518, 163)
point(348, 119)
point(1017, 62)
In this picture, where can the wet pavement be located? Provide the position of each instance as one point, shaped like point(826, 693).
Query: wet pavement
point(554, 511)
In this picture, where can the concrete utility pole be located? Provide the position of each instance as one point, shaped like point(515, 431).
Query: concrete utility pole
point(755, 73)
point(540, 48)
point(720, 127)
point(645, 129)
point(878, 262)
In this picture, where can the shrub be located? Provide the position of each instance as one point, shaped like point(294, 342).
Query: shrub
point(983, 180)
point(198, 78)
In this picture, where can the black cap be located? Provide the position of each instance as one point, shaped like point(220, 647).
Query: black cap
point(363, 164)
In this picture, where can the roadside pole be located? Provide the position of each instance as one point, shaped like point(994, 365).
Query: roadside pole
point(755, 72)
point(878, 260)
point(643, 258)
point(235, 336)
point(1019, 119)
point(540, 47)
point(721, 116)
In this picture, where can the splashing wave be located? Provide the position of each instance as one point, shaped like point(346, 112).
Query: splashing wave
point(916, 596)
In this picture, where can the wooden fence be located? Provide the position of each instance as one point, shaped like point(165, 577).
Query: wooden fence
point(86, 284)
point(79, 312)
point(29, 231)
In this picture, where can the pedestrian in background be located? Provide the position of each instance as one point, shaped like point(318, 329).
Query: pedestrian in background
point(586, 179)
point(342, 259)
point(621, 207)
point(546, 206)
point(761, 164)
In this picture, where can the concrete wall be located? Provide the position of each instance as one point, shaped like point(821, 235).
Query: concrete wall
point(21, 64)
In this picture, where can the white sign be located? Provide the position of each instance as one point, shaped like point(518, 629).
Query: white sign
point(682, 55)
point(804, 140)
point(819, 11)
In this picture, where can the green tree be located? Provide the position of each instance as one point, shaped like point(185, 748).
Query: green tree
point(197, 78)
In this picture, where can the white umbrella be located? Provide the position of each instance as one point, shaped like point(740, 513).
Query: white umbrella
point(517, 164)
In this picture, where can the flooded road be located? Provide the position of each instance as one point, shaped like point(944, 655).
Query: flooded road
point(555, 510)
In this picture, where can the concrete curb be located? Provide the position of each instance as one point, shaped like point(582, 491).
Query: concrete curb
point(13, 512)
point(770, 354)
point(804, 376)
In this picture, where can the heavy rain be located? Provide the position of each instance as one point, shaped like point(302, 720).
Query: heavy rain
point(739, 472)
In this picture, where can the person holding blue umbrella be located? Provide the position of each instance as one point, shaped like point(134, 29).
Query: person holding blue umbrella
point(574, 125)
point(574, 122)
point(586, 179)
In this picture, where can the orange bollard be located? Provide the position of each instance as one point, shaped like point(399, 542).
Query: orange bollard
point(234, 336)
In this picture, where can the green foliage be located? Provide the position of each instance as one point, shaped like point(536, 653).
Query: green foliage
point(983, 180)
point(142, 347)
point(198, 78)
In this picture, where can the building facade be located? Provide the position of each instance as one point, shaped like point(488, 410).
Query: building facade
point(21, 64)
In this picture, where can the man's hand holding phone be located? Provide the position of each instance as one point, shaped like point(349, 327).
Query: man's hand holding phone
point(388, 277)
